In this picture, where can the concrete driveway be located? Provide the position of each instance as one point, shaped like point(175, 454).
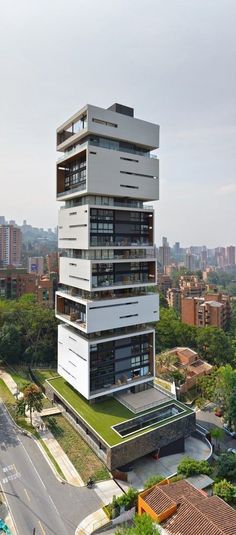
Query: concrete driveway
point(147, 466)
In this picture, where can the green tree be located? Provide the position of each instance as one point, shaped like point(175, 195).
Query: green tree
point(217, 434)
point(170, 332)
point(153, 480)
point(226, 466)
point(20, 407)
point(189, 467)
point(143, 525)
point(10, 343)
point(32, 399)
point(214, 345)
point(225, 490)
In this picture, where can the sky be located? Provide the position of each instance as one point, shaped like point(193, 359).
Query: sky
point(174, 61)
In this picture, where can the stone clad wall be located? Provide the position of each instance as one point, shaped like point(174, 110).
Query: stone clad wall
point(128, 451)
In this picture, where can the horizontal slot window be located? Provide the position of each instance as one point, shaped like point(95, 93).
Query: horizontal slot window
point(129, 316)
point(137, 174)
point(77, 354)
point(112, 306)
point(128, 159)
point(72, 213)
point(127, 186)
point(66, 371)
point(77, 226)
point(79, 278)
point(70, 362)
point(106, 123)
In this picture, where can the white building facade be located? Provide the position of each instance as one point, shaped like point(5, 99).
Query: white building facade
point(106, 303)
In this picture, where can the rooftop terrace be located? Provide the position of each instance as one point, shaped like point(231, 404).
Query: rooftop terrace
point(103, 415)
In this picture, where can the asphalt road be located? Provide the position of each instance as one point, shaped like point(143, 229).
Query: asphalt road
point(207, 418)
point(36, 498)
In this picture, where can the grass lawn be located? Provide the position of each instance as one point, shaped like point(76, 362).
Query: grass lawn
point(43, 374)
point(101, 416)
point(80, 454)
point(20, 376)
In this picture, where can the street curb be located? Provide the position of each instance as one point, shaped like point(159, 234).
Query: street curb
point(29, 434)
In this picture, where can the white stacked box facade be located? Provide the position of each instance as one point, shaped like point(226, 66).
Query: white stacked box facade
point(105, 303)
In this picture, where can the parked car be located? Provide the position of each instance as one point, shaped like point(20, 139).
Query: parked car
point(229, 431)
point(231, 450)
point(219, 412)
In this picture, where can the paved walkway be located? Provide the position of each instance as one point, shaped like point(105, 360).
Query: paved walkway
point(68, 469)
point(107, 489)
point(90, 523)
point(10, 383)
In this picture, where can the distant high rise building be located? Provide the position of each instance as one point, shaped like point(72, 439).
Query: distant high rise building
point(2, 220)
point(10, 245)
point(230, 255)
point(164, 253)
point(176, 250)
point(190, 262)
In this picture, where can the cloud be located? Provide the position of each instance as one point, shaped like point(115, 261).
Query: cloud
point(226, 189)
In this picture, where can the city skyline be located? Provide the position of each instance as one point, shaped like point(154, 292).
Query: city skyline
point(184, 79)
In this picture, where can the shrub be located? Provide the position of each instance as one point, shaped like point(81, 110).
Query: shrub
point(128, 500)
point(189, 467)
point(153, 480)
point(225, 490)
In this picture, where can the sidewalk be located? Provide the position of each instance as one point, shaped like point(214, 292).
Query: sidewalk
point(68, 469)
point(90, 523)
point(105, 490)
point(10, 383)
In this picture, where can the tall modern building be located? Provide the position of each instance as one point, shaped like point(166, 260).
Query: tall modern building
point(10, 245)
point(106, 304)
point(230, 253)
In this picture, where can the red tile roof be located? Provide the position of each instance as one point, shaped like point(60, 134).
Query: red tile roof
point(197, 514)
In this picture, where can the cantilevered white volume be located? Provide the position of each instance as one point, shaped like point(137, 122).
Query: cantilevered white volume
point(106, 303)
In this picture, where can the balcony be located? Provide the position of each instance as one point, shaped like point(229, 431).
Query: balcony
point(72, 175)
point(122, 384)
point(71, 312)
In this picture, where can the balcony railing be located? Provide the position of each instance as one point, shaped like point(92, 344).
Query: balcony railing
point(107, 283)
point(79, 187)
point(119, 384)
point(80, 323)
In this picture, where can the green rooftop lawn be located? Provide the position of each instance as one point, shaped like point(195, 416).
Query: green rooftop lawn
point(102, 415)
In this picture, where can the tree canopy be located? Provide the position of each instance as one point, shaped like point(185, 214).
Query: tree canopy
point(143, 525)
point(28, 332)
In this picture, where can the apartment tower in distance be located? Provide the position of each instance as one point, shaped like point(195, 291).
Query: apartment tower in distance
point(10, 245)
point(106, 237)
point(106, 303)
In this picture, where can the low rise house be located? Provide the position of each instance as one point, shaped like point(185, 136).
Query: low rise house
point(185, 361)
point(182, 509)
